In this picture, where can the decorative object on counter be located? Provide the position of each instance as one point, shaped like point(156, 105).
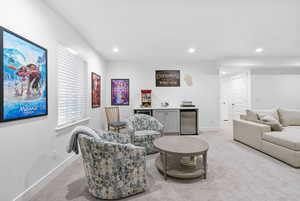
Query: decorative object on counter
point(188, 80)
point(119, 91)
point(167, 78)
point(165, 104)
point(104, 158)
point(146, 97)
point(96, 90)
point(144, 129)
point(187, 104)
point(113, 119)
point(23, 68)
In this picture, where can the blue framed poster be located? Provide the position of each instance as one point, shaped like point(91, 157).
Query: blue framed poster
point(23, 78)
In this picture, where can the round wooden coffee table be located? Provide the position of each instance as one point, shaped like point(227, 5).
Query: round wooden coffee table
point(182, 157)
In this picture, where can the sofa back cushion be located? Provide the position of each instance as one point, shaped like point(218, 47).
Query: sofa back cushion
point(289, 117)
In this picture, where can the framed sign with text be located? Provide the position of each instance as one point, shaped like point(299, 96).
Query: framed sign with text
point(167, 78)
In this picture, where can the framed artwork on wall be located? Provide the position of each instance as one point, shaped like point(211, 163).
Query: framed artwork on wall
point(23, 78)
point(96, 90)
point(119, 91)
point(167, 78)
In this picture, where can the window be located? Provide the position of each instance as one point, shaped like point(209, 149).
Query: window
point(72, 90)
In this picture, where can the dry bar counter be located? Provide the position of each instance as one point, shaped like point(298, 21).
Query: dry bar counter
point(181, 120)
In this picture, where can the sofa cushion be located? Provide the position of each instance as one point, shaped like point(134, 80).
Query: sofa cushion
point(262, 113)
point(288, 138)
point(289, 117)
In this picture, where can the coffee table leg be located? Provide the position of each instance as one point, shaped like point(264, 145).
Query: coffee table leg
point(165, 165)
point(205, 164)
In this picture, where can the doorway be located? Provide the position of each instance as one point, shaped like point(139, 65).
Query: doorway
point(235, 94)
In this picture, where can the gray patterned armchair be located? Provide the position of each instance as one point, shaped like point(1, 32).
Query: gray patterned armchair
point(114, 169)
point(144, 129)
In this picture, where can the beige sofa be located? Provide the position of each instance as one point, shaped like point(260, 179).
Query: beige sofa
point(283, 145)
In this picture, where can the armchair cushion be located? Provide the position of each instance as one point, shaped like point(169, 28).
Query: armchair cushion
point(144, 129)
point(118, 123)
point(145, 139)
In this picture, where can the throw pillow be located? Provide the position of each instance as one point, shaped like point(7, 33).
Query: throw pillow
point(289, 117)
point(251, 115)
point(262, 113)
point(271, 121)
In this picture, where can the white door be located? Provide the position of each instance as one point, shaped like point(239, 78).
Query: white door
point(240, 94)
point(225, 87)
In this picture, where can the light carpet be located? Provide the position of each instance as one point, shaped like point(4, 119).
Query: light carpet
point(236, 172)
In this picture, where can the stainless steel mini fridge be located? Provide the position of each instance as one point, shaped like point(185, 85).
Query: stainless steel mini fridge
point(189, 121)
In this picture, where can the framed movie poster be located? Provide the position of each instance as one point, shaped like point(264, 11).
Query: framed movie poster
point(167, 78)
point(23, 77)
point(119, 91)
point(96, 90)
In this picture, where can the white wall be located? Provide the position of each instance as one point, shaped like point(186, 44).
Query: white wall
point(204, 92)
point(31, 148)
point(275, 90)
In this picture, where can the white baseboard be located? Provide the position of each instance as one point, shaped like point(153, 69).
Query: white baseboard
point(208, 129)
point(43, 181)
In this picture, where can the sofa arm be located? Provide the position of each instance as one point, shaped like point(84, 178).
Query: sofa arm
point(249, 132)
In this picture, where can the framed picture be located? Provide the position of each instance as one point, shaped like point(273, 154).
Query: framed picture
point(167, 78)
point(23, 78)
point(119, 91)
point(96, 90)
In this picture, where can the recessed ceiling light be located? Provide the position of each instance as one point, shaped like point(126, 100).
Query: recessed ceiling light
point(259, 50)
point(115, 49)
point(72, 51)
point(192, 50)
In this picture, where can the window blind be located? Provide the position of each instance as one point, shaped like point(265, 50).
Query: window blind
point(72, 90)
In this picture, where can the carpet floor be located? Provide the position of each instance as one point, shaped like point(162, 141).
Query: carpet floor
point(236, 172)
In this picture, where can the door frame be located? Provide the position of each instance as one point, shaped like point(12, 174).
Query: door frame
point(227, 78)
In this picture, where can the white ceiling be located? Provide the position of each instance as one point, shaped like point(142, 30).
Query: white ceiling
point(163, 30)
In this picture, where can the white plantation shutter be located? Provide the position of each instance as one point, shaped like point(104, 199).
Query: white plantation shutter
point(72, 90)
